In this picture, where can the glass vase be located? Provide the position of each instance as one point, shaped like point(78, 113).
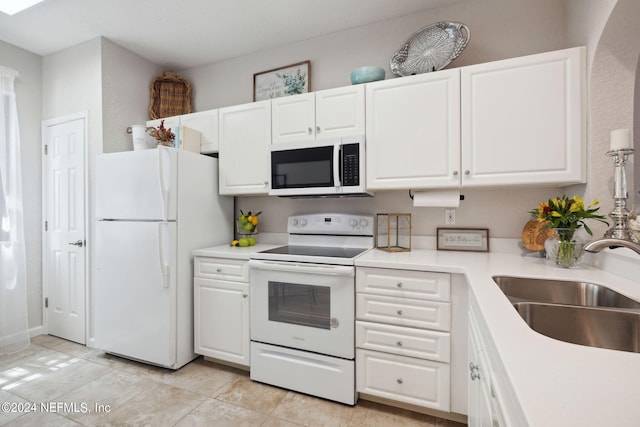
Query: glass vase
point(563, 248)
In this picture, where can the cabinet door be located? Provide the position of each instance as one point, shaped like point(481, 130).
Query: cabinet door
point(293, 118)
point(340, 112)
point(413, 132)
point(523, 120)
point(245, 136)
point(221, 320)
point(206, 122)
point(479, 409)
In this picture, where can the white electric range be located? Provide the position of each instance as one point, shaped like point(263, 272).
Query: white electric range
point(303, 306)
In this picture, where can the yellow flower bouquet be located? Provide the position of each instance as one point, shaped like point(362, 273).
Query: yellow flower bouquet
point(566, 215)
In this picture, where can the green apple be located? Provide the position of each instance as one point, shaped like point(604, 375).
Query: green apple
point(243, 242)
point(252, 241)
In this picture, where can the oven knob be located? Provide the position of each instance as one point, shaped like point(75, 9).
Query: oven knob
point(294, 222)
point(303, 222)
point(353, 223)
point(364, 222)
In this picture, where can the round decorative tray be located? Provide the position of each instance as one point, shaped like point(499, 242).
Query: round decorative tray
point(430, 49)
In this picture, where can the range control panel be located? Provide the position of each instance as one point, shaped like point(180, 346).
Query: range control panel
point(337, 224)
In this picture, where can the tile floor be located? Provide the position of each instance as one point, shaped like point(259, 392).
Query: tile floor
point(59, 383)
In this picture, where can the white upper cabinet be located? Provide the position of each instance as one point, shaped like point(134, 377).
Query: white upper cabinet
point(523, 120)
point(206, 122)
point(413, 131)
point(317, 115)
point(245, 136)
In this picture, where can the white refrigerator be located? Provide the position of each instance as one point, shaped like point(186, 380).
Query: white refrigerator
point(153, 207)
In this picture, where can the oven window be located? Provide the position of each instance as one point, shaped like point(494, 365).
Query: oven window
point(304, 305)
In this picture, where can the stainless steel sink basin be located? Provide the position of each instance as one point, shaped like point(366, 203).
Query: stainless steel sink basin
point(526, 289)
point(596, 327)
point(575, 312)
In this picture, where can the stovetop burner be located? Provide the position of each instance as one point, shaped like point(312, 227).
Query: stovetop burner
point(333, 252)
point(323, 239)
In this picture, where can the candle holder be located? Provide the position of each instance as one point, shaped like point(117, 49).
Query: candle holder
point(620, 214)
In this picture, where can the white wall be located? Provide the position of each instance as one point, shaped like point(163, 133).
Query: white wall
point(28, 88)
point(125, 94)
point(499, 29)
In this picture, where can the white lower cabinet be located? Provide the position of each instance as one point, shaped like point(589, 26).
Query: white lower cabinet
point(491, 400)
point(406, 379)
point(404, 340)
point(221, 309)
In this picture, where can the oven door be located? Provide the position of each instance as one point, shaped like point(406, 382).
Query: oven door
point(303, 306)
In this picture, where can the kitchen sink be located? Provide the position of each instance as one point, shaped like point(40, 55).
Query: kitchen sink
point(595, 327)
point(575, 312)
point(528, 289)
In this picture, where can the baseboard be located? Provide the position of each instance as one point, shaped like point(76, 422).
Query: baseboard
point(38, 330)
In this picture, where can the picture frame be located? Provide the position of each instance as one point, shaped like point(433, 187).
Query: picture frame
point(463, 239)
point(289, 80)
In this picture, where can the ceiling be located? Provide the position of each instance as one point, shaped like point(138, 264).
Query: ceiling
point(189, 33)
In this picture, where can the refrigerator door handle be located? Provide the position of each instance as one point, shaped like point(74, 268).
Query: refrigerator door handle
point(164, 266)
point(164, 189)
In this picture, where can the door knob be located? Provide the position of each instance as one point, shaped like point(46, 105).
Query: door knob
point(77, 243)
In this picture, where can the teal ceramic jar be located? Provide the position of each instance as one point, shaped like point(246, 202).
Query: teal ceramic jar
point(367, 74)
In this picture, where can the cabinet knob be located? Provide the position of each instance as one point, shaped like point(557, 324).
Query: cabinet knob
point(244, 295)
point(399, 381)
point(399, 312)
point(317, 129)
point(455, 173)
point(399, 284)
point(399, 343)
point(467, 172)
point(310, 130)
point(218, 270)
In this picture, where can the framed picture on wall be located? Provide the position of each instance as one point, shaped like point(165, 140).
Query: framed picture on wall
point(284, 81)
point(463, 239)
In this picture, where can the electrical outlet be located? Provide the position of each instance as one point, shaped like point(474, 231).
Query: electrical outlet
point(450, 216)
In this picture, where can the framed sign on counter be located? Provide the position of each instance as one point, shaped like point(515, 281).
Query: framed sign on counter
point(284, 81)
point(463, 239)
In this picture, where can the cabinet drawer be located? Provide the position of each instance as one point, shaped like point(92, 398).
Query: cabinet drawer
point(404, 379)
point(413, 342)
point(404, 283)
point(404, 312)
point(221, 268)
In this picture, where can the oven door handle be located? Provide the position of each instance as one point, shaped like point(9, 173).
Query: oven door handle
point(329, 270)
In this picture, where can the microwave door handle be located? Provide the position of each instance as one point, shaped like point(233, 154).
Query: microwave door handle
point(336, 165)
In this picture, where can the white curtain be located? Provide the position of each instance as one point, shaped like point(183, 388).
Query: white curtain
point(14, 333)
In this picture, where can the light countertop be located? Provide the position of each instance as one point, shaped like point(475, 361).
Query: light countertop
point(234, 252)
point(556, 383)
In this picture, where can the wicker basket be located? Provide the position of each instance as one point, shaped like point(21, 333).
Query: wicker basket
point(170, 96)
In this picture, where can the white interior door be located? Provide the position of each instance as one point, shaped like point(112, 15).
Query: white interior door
point(64, 258)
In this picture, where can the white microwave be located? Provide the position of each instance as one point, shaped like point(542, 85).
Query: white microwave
point(330, 167)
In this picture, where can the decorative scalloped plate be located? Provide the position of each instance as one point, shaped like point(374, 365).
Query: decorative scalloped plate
point(430, 49)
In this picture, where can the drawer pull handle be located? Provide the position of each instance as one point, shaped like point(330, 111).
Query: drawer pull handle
point(399, 312)
point(399, 343)
point(399, 284)
point(399, 381)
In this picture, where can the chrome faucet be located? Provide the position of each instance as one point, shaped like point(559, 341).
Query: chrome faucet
point(595, 246)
